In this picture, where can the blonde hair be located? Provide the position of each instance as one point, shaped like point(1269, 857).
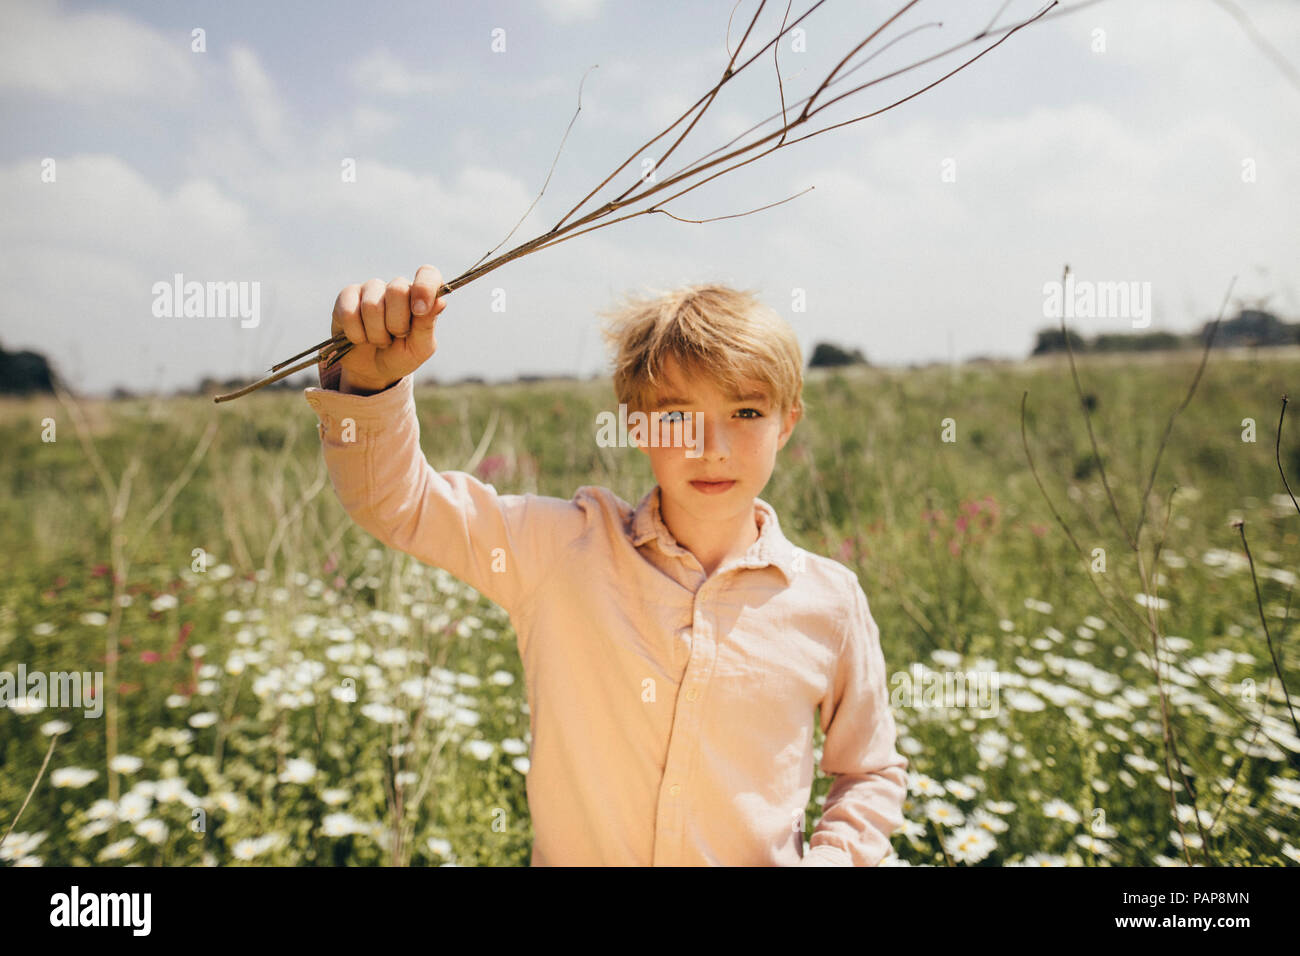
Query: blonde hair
point(726, 335)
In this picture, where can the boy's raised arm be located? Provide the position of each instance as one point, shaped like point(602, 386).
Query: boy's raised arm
point(865, 802)
point(501, 545)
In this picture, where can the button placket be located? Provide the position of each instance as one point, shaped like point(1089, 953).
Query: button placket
point(683, 740)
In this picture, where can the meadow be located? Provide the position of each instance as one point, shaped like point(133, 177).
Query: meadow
point(281, 689)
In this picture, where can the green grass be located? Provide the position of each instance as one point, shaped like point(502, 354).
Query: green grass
point(965, 567)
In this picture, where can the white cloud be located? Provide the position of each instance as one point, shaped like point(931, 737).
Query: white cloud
point(265, 109)
point(92, 56)
point(567, 11)
point(382, 72)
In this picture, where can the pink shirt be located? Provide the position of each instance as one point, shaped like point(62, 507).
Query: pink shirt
point(671, 714)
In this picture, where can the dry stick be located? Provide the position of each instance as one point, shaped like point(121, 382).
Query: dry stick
point(562, 232)
point(35, 783)
point(550, 172)
point(558, 235)
point(781, 144)
point(987, 32)
point(703, 103)
point(1277, 667)
point(783, 114)
point(1277, 451)
point(546, 242)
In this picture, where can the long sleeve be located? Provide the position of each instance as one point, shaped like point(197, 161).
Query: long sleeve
point(501, 545)
point(865, 802)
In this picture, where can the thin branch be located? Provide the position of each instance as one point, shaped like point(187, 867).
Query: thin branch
point(726, 40)
point(549, 172)
point(39, 774)
point(1087, 418)
point(776, 63)
point(335, 348)
point(1277, 451)
point(165, 502)
point(1261, 41)
point(735, 215)
point(1259, 604)
point(1001, 10)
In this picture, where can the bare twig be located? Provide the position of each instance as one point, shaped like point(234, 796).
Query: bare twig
point(39, 774)
point(575, 223)
point(1259, 604)
point(1261, 41)
point(1277, 451)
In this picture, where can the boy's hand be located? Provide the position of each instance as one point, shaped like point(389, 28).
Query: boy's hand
point(390, 328)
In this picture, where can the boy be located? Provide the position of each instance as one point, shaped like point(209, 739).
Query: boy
point(673, 652)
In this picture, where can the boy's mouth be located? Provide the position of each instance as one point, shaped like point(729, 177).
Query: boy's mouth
point(712, 487)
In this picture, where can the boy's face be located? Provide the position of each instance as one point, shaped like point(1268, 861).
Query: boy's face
point(739, 441)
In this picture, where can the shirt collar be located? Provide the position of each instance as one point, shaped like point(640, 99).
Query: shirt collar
point(772, 548)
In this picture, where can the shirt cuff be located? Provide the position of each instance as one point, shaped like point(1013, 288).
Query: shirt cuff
point(377, 409)
point(825, 854)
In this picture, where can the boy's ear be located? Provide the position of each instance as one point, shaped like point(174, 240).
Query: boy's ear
point(792, 418)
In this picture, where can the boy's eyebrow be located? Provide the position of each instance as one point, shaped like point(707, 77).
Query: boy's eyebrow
point(667, 400)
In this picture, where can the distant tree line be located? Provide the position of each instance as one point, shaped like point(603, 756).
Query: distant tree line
point(826, 355)
point(24, 372)
point(1251, 328)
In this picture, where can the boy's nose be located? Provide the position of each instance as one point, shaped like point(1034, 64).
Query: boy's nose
point(714, 440)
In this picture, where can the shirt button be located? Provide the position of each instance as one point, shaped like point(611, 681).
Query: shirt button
point(691, 694)
point(675, 789)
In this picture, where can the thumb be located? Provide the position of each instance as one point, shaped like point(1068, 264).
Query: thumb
point(421, 339)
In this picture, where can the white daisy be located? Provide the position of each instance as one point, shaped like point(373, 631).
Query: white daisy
point(153, 830)
point(959, 790)
point(984, 820)
point(944, 813)
point(26, 706)
point(339, 825)
point(116, 851)
point(125, 763)
point(1060, 810)
point(969, 844)
point(480, 749)
point(163, 602)
point(133, 806)
point(72, 777)
point(298, 771)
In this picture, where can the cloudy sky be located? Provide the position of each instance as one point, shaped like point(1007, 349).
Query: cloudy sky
point(304, 146)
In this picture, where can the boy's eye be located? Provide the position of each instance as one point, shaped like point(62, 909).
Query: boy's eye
point(666, 417)
point(757, 413)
